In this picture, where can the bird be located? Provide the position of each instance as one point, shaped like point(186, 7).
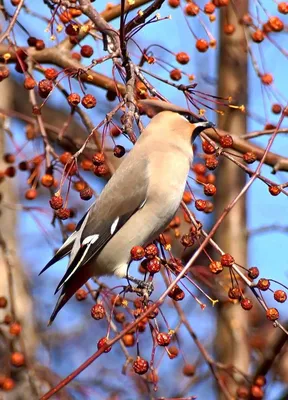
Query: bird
point(137, 203)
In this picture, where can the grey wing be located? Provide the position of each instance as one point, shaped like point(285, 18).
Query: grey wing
point(123, 195)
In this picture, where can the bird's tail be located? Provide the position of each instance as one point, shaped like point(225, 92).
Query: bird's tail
point(78, 279)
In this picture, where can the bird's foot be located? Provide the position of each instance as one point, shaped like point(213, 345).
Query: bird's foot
point(143, 288)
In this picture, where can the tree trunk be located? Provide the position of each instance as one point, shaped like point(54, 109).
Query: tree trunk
point(13, 282)
point(231, 340)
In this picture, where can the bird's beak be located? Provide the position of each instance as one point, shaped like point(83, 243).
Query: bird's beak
point(201, 126)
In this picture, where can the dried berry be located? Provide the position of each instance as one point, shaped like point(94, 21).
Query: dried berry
point(280, 296)
point(207, 147)
point(211, 162)
point(246, 304)
point(81, 294)
point(153, 266)
point(263, 284)
point(249, 157)
point(86, 193)
point(137, 253)
point(88, 101)
point(227, 260)
point(101, 170)
point(187, 240)
point(176, 293)
point(272, 314)
point(200, 204)
point(102, 342)
point(63, 213)
point(29, 83)
point(56, 202)
point(163, 339)
point(140, 366)
point(44, 88)
point(226, 141)
point(97, 312)
point(119, 151)
point(73, 99)
point(209, 189)
point(274, 190)
point(51, 74)
point(72, 29)
point(253, 272)
point(235, 293)
point(216, 267)
point(151, 251)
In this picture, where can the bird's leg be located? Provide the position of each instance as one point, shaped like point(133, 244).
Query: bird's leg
point(146, 287)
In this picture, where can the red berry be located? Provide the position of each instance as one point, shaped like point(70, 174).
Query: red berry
point(274, 190)
point(258, 36)
point(73, 99)
point(140, 366)
point(88, 101)
point(209, 8)
point(263, 284)
point(276, 24)
point(163, 339)
point(137, 253)
point(266, 79)
point(86, 51)
point(182, 58)
point(200, 204)
point(253, 272)
point(97, 311)
point(226, 141)
point(151, 251)
point(47, 180)
point(15, 329)
point(283, 7)
point(249, 157)
point(246, 304)
point(276, 108)
point(202, 45)
point(29, 83)
point(272, 314)
point(189, 370)
point(51, 74)
point(102, 342)
point(153, 266)
point(31, 194)
point(211, 162)
point(174, 3)
point(216, 267)
point(56, 202)
point(44, 88)
point(209, 189)
point(63, 213)
point(192, 9)
point(176, 293)
point(86, 193)
point(280, 296)
point(227, 260)
point(17, 359)
point(3, 301)
point(98, 159)
point(175, 74)
point(119, 151)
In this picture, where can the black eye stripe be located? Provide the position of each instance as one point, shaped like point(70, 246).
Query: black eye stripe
point(191, 118)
